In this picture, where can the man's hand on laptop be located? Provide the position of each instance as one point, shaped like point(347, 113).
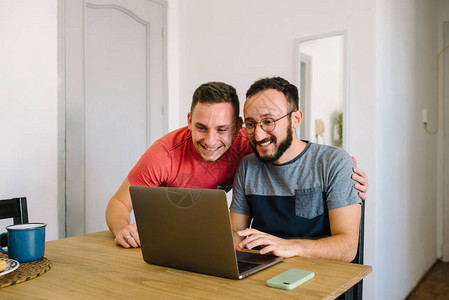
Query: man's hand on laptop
point(128, 237)
point(268, 242)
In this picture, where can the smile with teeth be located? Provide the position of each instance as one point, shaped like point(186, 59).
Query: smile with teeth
point(210, 149)
point(265, 143)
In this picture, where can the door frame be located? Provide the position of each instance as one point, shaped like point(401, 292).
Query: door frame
point(62, 107)
point(443, 149)
point(305, 91)
point(346, 101)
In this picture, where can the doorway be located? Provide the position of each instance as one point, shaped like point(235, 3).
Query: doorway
point(322, 80)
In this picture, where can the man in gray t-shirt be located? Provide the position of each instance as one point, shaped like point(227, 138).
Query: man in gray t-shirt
point(298, 196)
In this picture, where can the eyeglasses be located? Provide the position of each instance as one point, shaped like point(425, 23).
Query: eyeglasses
point(267, 124)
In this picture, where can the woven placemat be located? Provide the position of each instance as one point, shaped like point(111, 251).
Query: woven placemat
point(25, 272)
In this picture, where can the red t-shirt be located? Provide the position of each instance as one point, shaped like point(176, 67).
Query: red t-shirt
point(173, 161)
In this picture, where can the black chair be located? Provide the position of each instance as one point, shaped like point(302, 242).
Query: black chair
point(16, 209)
point(356, 292)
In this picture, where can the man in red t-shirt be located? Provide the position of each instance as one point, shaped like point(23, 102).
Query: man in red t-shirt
point(204, 154)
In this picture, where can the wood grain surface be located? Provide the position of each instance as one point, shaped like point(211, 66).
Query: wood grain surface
point(93, 267)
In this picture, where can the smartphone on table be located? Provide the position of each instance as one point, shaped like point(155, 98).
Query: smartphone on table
point(290, 279)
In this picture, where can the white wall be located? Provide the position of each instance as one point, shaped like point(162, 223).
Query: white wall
point(392, 70)
point(240, 41)
point(28, 108)
point(406, 174)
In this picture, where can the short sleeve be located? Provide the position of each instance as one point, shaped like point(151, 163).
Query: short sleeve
point(341, 191)
point(153, 167)
point(239, 204)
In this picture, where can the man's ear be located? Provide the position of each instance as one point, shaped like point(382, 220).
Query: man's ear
point(189, 121)
point(296, 118)
point(238, 125)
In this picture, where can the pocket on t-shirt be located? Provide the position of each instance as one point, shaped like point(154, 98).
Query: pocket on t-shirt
point(309, 202)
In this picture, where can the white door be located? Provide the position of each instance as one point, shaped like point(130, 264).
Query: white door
point(115, 99)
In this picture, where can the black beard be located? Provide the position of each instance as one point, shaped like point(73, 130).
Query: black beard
point(281, 148)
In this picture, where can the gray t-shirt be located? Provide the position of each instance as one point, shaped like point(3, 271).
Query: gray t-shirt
point(292, 199)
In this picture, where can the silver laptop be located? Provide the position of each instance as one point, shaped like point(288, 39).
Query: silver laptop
point(190, 229)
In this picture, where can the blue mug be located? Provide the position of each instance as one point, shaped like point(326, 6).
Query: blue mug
point(26, 242)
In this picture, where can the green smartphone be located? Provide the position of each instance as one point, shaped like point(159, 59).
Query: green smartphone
point(290, 279)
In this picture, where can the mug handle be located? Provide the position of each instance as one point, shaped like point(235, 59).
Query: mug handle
point(1, 249)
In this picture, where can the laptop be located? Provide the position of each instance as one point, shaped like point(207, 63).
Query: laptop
point(190, 229)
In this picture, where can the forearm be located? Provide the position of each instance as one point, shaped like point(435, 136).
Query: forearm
point(337, 247)
point(343, 242)
point(117, 215)
point(237, 239)
point(238, 222)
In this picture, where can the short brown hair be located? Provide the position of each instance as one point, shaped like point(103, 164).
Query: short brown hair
point(216, 92)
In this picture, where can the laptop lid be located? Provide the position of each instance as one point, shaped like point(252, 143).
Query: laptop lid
point(189, 229)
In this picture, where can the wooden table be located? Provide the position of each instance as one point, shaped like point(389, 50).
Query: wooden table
point(93, 267)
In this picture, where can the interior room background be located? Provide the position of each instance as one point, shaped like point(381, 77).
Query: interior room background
point(392, 76)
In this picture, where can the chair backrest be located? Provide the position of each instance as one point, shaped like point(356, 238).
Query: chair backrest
point(359, 256)
point(356, 292)
point(16, 209)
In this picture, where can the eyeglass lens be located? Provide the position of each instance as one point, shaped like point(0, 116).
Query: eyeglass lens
point(267, 124)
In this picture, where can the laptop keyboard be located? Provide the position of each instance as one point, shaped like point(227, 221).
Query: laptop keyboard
point(245, 266)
